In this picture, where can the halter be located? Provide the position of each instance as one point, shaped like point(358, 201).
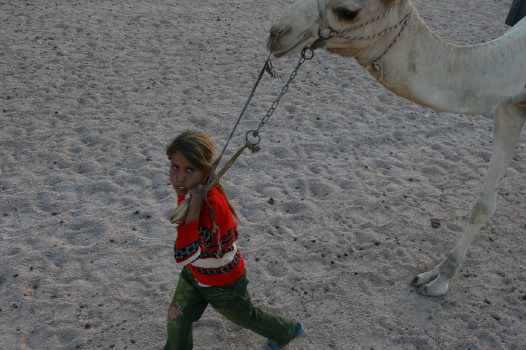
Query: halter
point(326, 32)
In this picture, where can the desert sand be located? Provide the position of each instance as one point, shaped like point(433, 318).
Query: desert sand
point(334, 210)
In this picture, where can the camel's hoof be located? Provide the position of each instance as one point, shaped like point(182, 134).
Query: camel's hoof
point(416, 282)
point(424, 278)
point(432, 290)
point(430, 283)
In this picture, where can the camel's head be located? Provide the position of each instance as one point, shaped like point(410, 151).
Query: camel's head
point(315, 23)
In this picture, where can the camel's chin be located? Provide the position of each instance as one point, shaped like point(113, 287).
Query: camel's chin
point(287, 50)
point(279, 54)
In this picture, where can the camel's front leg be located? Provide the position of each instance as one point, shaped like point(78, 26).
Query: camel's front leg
point(508, 125)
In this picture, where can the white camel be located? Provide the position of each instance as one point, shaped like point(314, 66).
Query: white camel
point(390, 40)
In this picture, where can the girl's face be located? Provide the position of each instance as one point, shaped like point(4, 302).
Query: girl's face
point(184, 175)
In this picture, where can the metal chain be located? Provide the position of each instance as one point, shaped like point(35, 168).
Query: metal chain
point(267, 67)
point(306, 54)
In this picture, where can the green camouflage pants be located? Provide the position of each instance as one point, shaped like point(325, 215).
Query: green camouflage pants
point(232, 301)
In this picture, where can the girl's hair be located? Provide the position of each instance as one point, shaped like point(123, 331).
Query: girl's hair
point(199, 149)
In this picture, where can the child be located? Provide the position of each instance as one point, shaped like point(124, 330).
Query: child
point(213, 271)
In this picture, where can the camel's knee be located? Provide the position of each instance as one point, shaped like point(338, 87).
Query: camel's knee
point(482, 211)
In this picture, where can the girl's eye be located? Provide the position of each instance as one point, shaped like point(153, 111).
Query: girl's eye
point(190, 170)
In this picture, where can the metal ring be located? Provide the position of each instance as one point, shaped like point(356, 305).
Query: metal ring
point(309, 51)
point(255, 134)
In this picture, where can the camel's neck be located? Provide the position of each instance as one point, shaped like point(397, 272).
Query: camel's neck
point(463, 79)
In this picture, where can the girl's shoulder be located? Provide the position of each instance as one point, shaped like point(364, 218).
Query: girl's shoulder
point(219, 205)
point(215, 196)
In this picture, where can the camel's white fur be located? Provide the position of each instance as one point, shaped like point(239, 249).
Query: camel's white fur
point(417, 65)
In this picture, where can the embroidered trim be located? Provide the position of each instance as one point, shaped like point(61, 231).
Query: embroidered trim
point(184, 253)
point(212, 262)
point(211, 250)
point(221, 269)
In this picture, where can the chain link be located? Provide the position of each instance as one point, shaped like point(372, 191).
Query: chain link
point(306, 54)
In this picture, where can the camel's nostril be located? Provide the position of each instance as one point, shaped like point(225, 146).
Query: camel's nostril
point(274, 40)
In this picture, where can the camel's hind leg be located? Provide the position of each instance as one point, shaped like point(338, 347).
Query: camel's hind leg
point(508, 125)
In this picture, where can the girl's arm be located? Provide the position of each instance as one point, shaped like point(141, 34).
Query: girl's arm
point(186, 248)
point(194, 209)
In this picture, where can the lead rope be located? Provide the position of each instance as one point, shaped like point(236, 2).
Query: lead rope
point(182, 209)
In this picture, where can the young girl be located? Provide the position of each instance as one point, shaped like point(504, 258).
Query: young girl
point(213, 271)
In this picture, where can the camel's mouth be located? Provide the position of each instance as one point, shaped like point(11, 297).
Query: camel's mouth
point(275, 44)
point(287, 51)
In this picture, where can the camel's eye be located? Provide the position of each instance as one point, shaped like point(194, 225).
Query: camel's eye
point(345, 14)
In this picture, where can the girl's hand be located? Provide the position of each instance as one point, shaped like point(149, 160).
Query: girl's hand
point(196, 202)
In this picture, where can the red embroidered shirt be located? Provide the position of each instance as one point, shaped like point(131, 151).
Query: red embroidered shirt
point(212, 257)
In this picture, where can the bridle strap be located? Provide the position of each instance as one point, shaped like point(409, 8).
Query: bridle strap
point(325, 32)
point(324, 25)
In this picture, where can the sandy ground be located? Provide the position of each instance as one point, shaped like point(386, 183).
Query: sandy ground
point(91, 93)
